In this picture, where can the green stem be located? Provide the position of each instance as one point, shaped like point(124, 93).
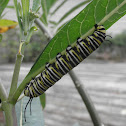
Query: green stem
point(7, 108)
point(15, 75)
point(3, 93)
point(86, 99)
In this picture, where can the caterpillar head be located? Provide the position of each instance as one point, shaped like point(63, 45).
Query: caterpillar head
point(100, 28)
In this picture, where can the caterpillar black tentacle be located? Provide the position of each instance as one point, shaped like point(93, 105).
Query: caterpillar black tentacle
point(64, 63)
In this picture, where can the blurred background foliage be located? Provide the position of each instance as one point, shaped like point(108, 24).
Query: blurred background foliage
point(9, 46)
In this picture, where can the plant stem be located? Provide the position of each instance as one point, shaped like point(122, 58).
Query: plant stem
point(3, 93)
point(15, 75)
point(86, 99)
point(5, 106)
point(8, 113)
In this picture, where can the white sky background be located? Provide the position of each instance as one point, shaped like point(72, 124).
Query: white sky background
point(115, 29)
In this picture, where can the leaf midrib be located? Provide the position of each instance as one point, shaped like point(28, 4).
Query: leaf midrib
point(104, 19)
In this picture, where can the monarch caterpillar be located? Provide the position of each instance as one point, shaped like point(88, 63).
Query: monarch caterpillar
point(64, 63)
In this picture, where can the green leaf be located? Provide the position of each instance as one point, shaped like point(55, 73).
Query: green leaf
point(43, 100)
point(25, 7)
point(3, 4)
point(7, 23)
point(49, 4)
point(1, 37)
point(46, 5)
point(35, 119)
point(11, 7)
point(36, 5)
point(97, 12)
point(18, 11)
point(73, 9)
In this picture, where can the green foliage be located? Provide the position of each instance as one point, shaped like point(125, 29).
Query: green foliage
point(43, 100)
point(97, 11)
point(46, 5)
point(10, 45)
point(3, 4)
point(25, 18)
point(36, 5)
point(1, 37)
point(7, 23)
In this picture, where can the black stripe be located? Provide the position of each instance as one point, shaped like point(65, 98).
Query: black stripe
point(87, 54)
point(93, 44)
point(37, 92)
point(60, 66)
point(40, 86)
point(45, 82)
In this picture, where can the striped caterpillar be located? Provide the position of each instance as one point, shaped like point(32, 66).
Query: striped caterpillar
point(64, 63)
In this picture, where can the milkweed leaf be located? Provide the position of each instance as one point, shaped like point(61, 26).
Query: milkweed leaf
point(97, 12)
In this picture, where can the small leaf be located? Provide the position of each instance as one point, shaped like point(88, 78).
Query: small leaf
point(5, 25)
point(1, 37)
point(18, 11)
point(3, 4)
point(46, 5)
point(43, 100)
point(36, 5)
point(32, 16)
point(44, 15)
point(25, 7)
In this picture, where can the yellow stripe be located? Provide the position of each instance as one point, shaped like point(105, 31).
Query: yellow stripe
point(66, 63)
point(97, 40)
point(89, 49)
point(77, 55)
point(41, 82)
